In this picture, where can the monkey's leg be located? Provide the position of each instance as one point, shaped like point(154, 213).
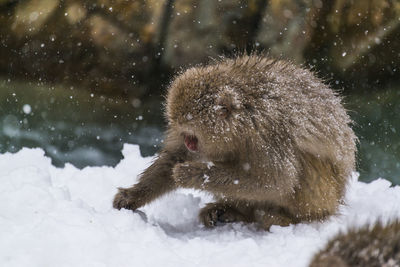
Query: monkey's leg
point(320, 190)
point(269, 215)
point(155, 181)
point(225, 212)
point(222, 181)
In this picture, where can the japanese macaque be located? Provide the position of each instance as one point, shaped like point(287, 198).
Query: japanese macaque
point(268, 139)
point(376, 245)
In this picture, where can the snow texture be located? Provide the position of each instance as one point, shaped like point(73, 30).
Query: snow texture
point(64, 217)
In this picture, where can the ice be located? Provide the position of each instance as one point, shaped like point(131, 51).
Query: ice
point(64, 217)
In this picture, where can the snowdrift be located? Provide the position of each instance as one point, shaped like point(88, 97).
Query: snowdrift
point(64, 217)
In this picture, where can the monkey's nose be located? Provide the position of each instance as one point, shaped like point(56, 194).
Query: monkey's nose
point(191, 143)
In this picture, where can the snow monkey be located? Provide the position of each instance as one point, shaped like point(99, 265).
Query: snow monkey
point(269, 140)
point(376, 245)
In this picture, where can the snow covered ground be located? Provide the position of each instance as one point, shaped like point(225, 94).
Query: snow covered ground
point(63, 217)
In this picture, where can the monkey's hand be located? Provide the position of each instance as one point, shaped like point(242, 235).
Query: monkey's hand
point(190, 174)
point(129, 198)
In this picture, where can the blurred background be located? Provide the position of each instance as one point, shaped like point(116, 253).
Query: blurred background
point(81, 78)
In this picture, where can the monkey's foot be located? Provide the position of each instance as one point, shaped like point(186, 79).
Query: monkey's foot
point(125, 198)
point(273, 216)
point(214, 213)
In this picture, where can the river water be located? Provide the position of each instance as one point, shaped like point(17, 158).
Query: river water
point(85, 129)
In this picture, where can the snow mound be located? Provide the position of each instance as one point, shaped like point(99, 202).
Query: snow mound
point(64, 217)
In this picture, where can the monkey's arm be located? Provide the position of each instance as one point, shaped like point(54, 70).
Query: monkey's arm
point(155, 181)
point(213, 178)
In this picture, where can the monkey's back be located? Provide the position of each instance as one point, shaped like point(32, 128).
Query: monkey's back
point(298, 129)
point(293, 105)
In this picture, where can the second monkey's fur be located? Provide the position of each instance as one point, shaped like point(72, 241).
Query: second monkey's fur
point(371, 245)
point(268, 139)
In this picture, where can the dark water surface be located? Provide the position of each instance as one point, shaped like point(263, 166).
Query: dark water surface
point(85, 129)
point(377, 125)
point(74, 125)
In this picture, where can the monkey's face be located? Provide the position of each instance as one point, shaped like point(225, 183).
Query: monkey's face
point(203, 109)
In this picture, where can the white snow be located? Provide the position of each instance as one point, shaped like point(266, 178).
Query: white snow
point(63, 217)
point(27, 108)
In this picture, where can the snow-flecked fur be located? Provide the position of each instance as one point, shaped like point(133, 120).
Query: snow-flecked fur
point(376, 245)
point(274, 143)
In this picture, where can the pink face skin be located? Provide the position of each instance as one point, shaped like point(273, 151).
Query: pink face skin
point(191, 143)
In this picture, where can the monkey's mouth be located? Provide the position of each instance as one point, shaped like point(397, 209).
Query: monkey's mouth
point(191, 143)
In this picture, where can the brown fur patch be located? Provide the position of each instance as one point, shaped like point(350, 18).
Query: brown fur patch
point(376, 245)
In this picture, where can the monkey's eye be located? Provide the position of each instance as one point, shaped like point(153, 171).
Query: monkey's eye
point(223, 112)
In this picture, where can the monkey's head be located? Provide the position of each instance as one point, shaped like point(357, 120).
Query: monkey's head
point(205, 108)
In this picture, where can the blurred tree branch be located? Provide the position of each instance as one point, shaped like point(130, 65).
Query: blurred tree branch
point(110, 17)
point(163, 28)
point(259, 7)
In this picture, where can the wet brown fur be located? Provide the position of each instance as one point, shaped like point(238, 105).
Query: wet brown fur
point(373, 246)
point(274, 144)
